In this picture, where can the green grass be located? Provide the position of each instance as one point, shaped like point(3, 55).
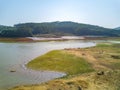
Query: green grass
point(59, 60)
point(108, 47)
point(102, 45)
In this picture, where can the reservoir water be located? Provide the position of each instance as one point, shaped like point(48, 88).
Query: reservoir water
point(14, 56)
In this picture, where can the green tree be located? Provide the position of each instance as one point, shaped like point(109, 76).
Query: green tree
point(24, 32)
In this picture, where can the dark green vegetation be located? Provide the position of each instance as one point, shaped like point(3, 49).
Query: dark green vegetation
point(62, 61)
point(6, 31)
point(57, 29)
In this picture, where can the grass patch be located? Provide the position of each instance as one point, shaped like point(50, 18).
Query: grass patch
point(59, 60)
point(103, 45)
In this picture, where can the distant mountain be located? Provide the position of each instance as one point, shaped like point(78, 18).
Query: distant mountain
point(118, 28)
point(56, 28)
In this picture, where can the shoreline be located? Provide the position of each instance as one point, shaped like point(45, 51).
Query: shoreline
point(21, 78)
point(62, 38)
point(38, 39)
point(27, 68)
point(56, 74)
point(74, 79)
point(40, 76)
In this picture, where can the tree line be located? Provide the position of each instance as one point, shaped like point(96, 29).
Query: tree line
point(55, 28)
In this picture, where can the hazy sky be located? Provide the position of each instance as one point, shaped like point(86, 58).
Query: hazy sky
point(105, 13)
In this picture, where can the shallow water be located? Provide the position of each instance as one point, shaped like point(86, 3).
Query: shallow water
point(13, 56)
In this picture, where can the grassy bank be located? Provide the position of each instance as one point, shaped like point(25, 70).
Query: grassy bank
point(60, 60)
point(104, 59)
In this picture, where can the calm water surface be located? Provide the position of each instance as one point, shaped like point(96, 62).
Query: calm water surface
point(13, 56)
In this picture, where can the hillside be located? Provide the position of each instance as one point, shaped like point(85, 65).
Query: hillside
point(56, 28)
point(118, 28)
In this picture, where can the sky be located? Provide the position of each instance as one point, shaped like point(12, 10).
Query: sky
point(104, 13)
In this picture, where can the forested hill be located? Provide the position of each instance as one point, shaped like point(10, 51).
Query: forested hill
point(56, 28)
